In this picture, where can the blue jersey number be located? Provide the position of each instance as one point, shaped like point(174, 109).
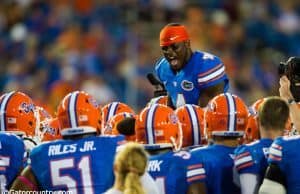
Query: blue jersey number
point(83, 166)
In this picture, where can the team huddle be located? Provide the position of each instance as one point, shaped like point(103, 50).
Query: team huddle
point(200, 137)
point(181, 161)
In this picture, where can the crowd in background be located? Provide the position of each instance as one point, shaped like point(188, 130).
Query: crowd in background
point(106, 47)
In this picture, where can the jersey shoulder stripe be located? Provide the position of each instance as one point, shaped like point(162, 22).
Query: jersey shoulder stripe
point(243, 160)
point(195, 172)
point(217, 72)
point(275, 152)
point(201, 75)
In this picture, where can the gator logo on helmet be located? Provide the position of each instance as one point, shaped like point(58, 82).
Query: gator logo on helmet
point(173, 118)
point(27, 107)
point(93, 102)
point(211, 106)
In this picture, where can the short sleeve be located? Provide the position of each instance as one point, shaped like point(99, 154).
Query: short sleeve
point(212, 73)
point(276, 152)
point(195, 169)
point(244, 161)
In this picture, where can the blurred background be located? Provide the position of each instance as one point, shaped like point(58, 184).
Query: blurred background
point(106, 47)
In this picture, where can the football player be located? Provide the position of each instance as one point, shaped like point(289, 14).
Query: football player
point(190, 77)
point(12, 152)
point(252, 130)
point(191, 118)
point(18, 115)
point(158, 128)
point(225, 121)
point(112, 109)
point(111, 126)
point(81, 162)
point(282, 174)
point(251, 159)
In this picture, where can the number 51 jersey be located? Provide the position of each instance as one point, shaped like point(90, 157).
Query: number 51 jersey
point(80, 166)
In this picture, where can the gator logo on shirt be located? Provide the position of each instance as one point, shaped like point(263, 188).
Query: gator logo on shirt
point(187, 85)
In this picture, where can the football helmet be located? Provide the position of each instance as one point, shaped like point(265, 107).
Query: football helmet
point(43, 113)
point(111, 125)
point(159, 100)
point(252, 129)
point(18, 114)
point(225, 115)
point(50, 129)
point(191, 119)
point(78, 113)
point(112, 109)
point(158, 127)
